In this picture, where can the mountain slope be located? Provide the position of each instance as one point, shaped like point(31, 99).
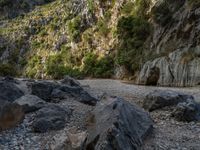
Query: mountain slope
point(124, 39)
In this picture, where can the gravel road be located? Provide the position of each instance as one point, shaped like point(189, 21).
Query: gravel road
point(131, 91)
point(168, 134)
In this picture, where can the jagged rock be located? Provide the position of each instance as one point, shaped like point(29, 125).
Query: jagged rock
point(51, 117)
point(9, 91)
point(30, 103)
point(117, 124)
point(70, 81)
point(187, 111)
point(69, 141)
point(43, 89)
point(79, 93)
point(51, 91)
point(10, 114)
point(159, 99)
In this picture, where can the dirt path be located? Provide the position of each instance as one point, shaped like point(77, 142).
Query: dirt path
point(168, 134)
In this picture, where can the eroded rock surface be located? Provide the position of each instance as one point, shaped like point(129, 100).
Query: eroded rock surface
point(159, 99)
point(11, 114)
point(9, 91)
point(30, 103)
point(116, 124)
point(51, 117)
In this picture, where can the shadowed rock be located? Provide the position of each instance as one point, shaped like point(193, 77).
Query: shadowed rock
point(187, 111)
point(159, 99)
point(9, 91)
point(51, 117)
point(30, 103)
point(117, 124)
point(11, 114)
point(50, 92)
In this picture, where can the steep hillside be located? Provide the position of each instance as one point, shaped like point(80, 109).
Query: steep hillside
point(149, 41)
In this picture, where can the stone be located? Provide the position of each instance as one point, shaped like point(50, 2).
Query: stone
point(69, 141)
point(187, 111)
point(117, 124)
point(30, 103)
point(9, 91)
point(70, 81)
point(11, 114)
point(78, 93)
point(42, 89)
point(51, 117)
point(160, 98)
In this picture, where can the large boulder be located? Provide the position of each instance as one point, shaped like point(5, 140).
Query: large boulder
point(187, 111)
point(30, 103)
point(51, 117)
point(51, 91)
point(117, 124)
point(78, 93)
point(42, 89)
point(9, 91)
point(159, 99)
point(11, 114)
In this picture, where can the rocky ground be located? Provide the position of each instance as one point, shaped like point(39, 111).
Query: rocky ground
point(168, 133)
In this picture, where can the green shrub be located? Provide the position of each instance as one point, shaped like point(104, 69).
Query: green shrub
point(94, 67)
point(74, 28)
point(56, 68)
point(132, 33)
point(7, 70)
point(103, 27)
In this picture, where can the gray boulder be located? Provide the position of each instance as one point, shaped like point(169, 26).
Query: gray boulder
point(30, 103)
point(43, 89)
point(9, 91)
point(159, 99)
point(51, 117)
point(187, 111)
point(51, 92)
point(117, 124)
point(11, 114)
point(70, 81)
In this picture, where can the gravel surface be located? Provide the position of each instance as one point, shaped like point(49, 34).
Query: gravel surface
point(168, 134)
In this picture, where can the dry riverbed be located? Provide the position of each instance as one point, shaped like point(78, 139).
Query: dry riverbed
point(168, 134)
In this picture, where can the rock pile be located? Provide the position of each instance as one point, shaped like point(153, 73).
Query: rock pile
point(111, 123)
point(185, 108)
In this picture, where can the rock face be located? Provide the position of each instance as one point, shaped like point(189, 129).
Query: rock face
point(9, 91)
point(116, 124)
point(187, 111)
point(10, 114)
point(159, 99)
point(178, 41)
point(175, 70)
point(51, 117)
point(30, 103)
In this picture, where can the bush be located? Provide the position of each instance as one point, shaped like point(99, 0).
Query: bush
point(74, 28)
point(132, 33)
point(95, 67)
point(7, 70)
point(57, 69)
